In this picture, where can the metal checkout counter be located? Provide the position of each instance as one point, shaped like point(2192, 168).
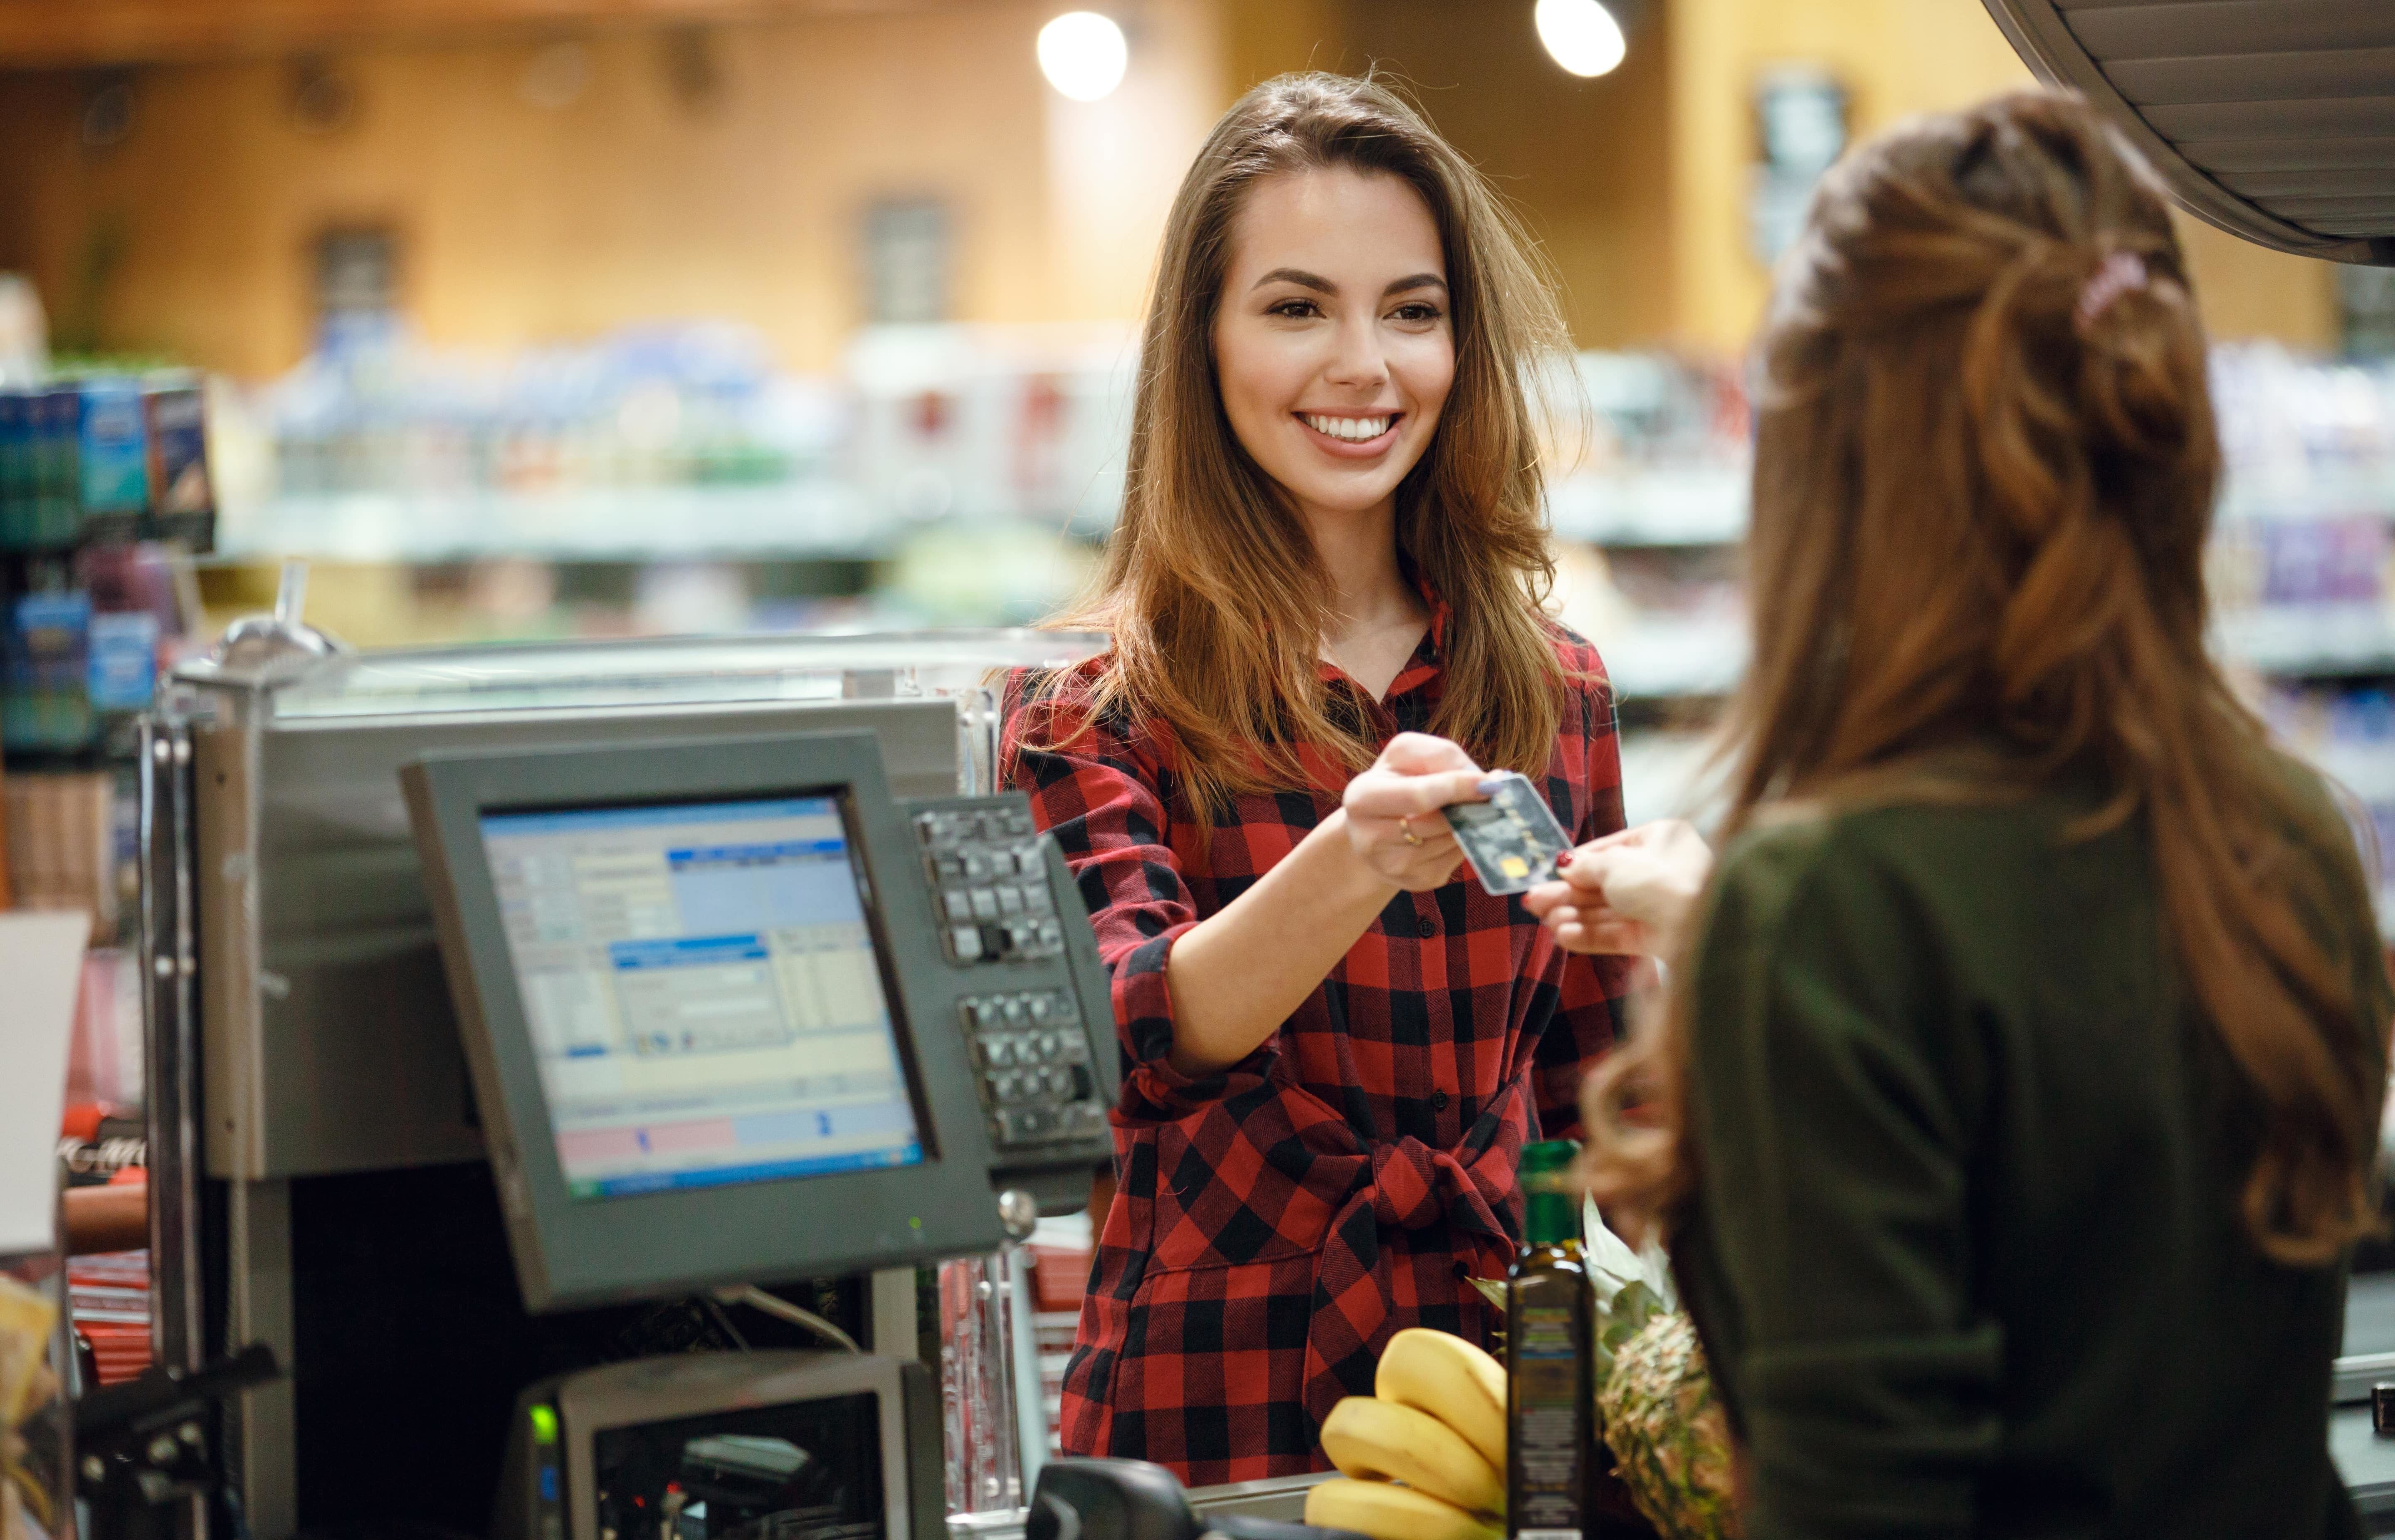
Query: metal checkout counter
point(753, 982)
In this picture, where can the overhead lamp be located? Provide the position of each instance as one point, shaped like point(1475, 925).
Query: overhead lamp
point(1083, 55)
point(1581, 35)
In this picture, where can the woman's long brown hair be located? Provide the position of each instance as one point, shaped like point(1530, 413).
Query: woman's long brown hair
point(1980, 504)
point(1210, 586)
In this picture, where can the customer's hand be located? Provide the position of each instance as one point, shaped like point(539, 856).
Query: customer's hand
point(1630, 893)
point(1392, 821)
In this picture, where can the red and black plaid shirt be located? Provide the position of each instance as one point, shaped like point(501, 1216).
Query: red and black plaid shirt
point(1274, 1223)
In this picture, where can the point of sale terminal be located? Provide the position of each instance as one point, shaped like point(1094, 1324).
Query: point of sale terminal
point(551, 1015)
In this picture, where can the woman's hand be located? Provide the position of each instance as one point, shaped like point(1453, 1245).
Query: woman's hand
point(1394, 826)
point(1630, 893)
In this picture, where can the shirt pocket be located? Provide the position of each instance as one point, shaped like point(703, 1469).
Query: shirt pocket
point(1221, 1201)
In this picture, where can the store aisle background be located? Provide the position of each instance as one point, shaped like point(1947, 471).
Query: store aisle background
point(547, 318)
point(535, 318)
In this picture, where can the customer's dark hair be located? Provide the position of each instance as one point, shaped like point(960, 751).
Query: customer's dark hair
point(1984, 472)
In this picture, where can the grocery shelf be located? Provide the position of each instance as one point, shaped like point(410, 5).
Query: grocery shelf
point(2365, 770)
point(1676, 655)
point(2315, 640)
point(1668, 773)
point(824, 519)
point(1686, 506)
point(2309, 493)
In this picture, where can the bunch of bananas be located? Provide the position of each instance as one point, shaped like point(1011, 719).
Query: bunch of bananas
point(1436, 1423)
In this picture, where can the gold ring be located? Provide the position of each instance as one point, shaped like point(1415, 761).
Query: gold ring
point(1406, 827)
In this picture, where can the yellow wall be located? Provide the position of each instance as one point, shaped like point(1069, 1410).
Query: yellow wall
point(1264, 38)
point(522, 222)
point(1895, 58)
point(1586, 161)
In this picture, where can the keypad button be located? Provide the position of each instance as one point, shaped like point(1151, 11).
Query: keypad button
point(985, 904)
point(1017, 1010)
point(1009, 901)
point(1083, 1085)
point(1042, 1007)
point(1072, 1045)
point(958, 905)
point(964, 944)
point(977, 866)
point(1036, 899)
point(1024, 1125)
point(1060, 1082)
point(998, 1050)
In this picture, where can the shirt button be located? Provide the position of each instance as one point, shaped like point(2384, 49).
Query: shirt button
point(1438, 1101)
point(1426, 928)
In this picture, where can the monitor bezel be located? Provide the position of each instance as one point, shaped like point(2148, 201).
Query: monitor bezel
point(574, 1250)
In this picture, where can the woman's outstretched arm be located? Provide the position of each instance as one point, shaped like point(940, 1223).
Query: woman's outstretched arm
point(1238, 974)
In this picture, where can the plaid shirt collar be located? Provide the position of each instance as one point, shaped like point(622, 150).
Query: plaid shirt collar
point(1421, 671)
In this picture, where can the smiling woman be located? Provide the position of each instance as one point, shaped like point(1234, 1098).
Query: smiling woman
point(1323, 593)
point(1335, 362)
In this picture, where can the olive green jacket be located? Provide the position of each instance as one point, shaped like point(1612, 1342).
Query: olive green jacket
point(1964, 1247)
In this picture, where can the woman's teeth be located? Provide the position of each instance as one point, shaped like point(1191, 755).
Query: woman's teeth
point(1355, 430)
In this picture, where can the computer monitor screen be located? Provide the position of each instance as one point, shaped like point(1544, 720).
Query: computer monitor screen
point(703, 997)
point(702, 990)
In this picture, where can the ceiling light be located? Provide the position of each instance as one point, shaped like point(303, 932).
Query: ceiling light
point(1083, 55)
point(1582, 34)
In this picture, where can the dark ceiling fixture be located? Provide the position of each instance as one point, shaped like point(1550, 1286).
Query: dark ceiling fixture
point(2273, 119)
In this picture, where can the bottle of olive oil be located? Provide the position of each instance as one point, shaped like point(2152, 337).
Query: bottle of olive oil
point(1550, 1390)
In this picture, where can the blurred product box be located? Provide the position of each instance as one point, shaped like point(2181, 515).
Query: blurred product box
point(108, 1296)
point(61, 841)
point(18, 480)
point(56, 506)
point(121, 661)
point(102, 459)
point(183, 498)
point(45, 687)
point(80, 653)
point(112, 460)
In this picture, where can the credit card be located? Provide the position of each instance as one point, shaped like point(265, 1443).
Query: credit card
point(1512, 841)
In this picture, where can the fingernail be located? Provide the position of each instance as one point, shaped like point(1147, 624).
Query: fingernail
point(1488, 784)
point(1563, 860)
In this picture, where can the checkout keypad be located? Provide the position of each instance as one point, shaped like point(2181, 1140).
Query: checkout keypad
point(1034, 1058)
point(990, 876)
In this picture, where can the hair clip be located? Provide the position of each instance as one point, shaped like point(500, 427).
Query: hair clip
point(2119, 273)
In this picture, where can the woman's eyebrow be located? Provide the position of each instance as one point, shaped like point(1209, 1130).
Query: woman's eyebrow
point(1298, 276)
point(1320, 285)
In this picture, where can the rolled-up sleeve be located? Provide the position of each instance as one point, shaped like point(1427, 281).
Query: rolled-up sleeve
point(1095, 787)
point(1835, 1118)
